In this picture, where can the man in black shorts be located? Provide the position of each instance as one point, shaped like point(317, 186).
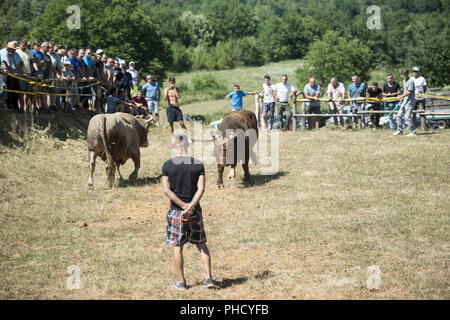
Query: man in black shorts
point(183, 180)
point(173, 111)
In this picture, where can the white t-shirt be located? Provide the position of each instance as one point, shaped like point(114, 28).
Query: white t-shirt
point(268, 97)
point(283, 90)
point(134, 75)
point(418, 84)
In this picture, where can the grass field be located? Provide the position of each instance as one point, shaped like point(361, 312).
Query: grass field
point(341, 202)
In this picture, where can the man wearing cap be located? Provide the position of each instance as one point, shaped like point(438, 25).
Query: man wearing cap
point(405, 110)
point(124, 78)
point(420, 85)
point(8, 64)
point(152, 94)
point(135, 78)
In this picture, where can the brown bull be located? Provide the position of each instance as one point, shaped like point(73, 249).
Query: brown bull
point(116, 138)
point(234, 142)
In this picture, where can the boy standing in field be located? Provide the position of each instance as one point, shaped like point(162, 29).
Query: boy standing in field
point(235, 97)
point(183, 180)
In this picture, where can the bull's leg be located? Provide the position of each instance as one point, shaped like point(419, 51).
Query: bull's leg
point(92, 156)
point(135, 155)
point(232, 173)
point(220, 169)
point(118, 170)
point(110, 173)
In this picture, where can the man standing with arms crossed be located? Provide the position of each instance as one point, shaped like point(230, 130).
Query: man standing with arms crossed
point(183, 180)
point(406, 108)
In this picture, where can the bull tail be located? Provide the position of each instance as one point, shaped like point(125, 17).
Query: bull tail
point(109, 158)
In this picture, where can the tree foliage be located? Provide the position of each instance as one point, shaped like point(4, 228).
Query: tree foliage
point(335, 55)
point(201, 33)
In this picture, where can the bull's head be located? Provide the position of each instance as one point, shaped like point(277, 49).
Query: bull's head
point(145, 123)
point(221, 145)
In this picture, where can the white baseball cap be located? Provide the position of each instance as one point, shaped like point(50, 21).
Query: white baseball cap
point(99, 51)
point(132, 62)
point(416, 69)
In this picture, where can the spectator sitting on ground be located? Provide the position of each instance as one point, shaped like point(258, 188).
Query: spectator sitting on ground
point(130, 107)
point(391, 89)
point(336, 91)
point(114, 103)
point(312, 92)
point(374, 92)
point(141, 103)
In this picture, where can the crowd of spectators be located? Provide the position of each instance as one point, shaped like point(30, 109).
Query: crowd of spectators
point(337, 95)
point(58, 77)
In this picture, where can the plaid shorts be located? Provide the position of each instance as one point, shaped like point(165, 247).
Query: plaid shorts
point(179, 232)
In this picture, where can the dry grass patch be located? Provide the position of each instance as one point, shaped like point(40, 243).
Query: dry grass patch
point(343, 201)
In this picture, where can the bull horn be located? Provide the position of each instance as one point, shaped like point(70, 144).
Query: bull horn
point(149, 119)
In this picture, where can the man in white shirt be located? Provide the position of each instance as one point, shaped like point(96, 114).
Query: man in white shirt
point(282, 91)
point(269, 102)
point(420, 85)
point(336, 91)
point(405, 110)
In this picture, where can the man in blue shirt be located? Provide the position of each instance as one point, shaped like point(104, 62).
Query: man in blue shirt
point(312, 92)
point(235, 97)
point(356, 90)
point(152, 93)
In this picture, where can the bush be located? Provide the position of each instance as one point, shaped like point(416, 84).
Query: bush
point(182, 58)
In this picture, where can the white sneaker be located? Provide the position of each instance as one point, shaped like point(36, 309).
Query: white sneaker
point(412, 134)
point(398, 133)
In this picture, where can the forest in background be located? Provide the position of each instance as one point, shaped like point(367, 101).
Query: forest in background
point(186, 35)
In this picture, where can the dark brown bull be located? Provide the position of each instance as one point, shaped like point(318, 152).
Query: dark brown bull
point(116, 138)
point(234, 141)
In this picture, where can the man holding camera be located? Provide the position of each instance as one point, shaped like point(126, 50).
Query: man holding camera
point(173, 111)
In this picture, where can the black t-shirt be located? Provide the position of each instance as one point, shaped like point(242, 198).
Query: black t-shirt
point(374, 94)
point(123, 79)
point(183, 173)
point(388, 89)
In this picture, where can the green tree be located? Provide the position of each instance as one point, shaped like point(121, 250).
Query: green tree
point(433, 57)
point(116, 26)
point(231, 19)
point(199, 29)
point(335, 55)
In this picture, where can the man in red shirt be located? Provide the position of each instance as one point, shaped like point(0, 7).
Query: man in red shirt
point(141, 103)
